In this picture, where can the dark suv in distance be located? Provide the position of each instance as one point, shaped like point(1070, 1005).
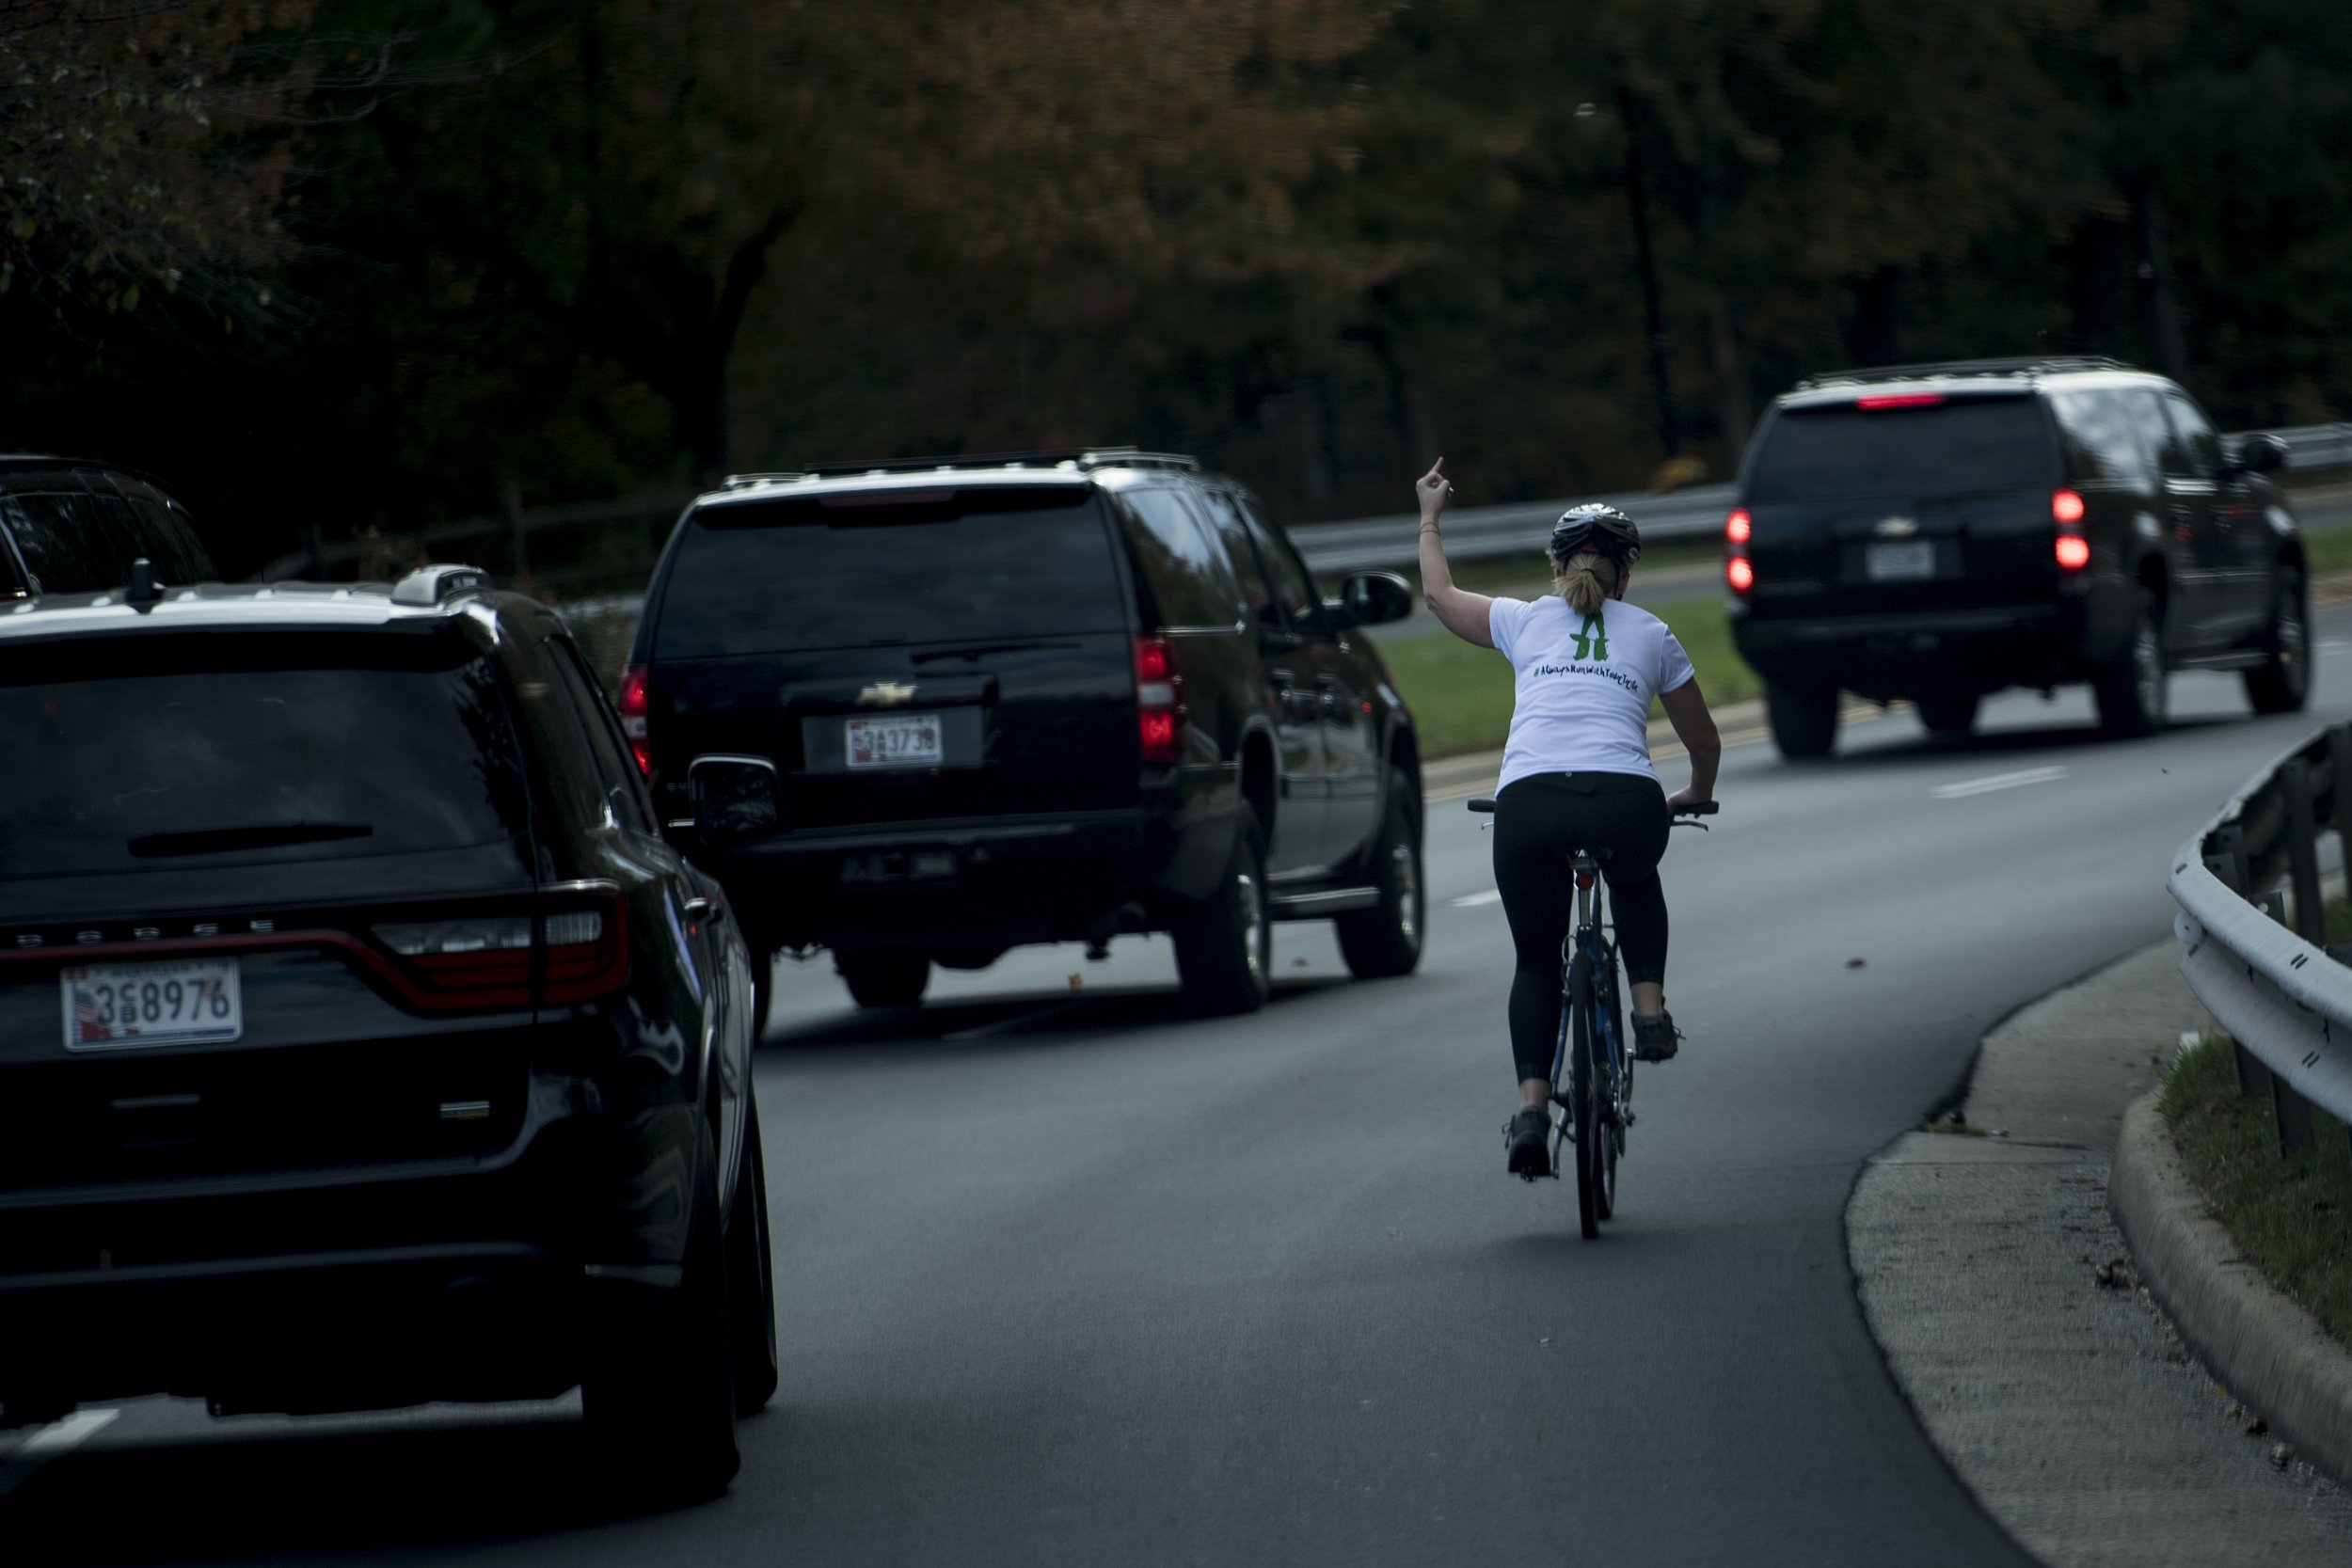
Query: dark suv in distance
point(922, 712)
point(68, 527)
point(362, 1043)
point(1936, 533)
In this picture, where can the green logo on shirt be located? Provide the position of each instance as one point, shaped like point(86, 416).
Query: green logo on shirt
point(1593, 641)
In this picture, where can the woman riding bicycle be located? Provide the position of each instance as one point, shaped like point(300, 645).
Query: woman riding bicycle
point(1576, 774)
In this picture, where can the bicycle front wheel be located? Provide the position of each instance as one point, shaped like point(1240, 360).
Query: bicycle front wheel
point(1583, 1099)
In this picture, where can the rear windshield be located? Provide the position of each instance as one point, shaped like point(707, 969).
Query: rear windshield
point(169, 752)
point(851, 571)
point(1846, 454)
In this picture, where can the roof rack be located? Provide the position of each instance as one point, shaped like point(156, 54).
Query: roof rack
point(1083, 458)
point(430, 585)
point(2027, 365)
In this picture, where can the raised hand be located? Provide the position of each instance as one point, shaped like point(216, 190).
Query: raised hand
point(1433, 491)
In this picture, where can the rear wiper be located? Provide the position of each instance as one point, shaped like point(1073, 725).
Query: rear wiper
point(986, 648)
point(259, 835)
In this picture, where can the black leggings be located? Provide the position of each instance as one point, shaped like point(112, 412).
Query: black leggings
point(1538, 819)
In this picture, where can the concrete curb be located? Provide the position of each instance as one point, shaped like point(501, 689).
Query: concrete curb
point(2270, 1352)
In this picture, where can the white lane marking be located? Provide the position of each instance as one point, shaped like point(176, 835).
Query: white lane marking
point(1997, 780)
point(52, 1441)
point(1473, 900)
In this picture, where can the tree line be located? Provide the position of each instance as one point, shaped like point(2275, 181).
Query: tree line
point(336, 265)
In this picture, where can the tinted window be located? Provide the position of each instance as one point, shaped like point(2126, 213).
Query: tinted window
point(1257, 591)
point(2204, 446)
point(65, 541)
point(211, 751)
point(617, 769)
point(2101, 440)
point(1841, 453)
point(2173, 457)
point(1182, 561)
point(1293, 587)
point(164, 538)
point(853, 570)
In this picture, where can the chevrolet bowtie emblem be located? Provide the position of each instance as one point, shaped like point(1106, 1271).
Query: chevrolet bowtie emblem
point(1896, 528)
point(884, 694)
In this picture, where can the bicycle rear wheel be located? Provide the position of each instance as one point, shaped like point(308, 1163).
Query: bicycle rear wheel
point(1608, 1094)
point(1584, 1109)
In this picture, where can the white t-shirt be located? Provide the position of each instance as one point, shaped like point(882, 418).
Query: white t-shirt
point(1585, 682)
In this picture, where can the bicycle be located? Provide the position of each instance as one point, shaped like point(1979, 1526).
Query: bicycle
point(1599, 1105)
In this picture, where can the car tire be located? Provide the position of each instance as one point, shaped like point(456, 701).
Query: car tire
point(2130, 689)
point(2283, 683)
point(1225, 948)
point(886, 977)
point(751, 1276)
point(659, 1401)
point(1804, 719)
point(1385, 941)
point(1950, 715)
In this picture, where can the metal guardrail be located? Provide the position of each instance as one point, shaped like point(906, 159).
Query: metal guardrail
point(1362, 544)
point(2284, 998)
point(1479, 533)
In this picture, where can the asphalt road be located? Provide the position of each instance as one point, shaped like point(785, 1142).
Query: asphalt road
point(1069, 1279)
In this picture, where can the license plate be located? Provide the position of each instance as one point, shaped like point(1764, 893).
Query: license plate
point(121, 1007)
point(1901, 563)
point(902, 741)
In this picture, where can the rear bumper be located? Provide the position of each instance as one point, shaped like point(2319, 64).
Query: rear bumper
point(978, 885)
point(1902, 656)
point(355, 1289)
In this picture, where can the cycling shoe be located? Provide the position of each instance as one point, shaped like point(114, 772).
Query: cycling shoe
point(1530, 1136)
point(1656, 1039)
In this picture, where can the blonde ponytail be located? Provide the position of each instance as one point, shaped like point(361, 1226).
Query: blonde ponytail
point(1587, 582)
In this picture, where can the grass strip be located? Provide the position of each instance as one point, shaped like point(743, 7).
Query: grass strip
point(2327, 550)
point(1461, 695)
point(2287, 1214)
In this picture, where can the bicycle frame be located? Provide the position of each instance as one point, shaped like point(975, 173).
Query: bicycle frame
point(1590, 937)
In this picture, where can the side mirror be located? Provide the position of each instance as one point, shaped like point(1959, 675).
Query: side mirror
point(734, 799)
point(1376, 598)
point(2260, 453)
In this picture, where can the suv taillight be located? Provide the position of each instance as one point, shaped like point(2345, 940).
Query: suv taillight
point(2073, 551)
point(1159, 699)
point(1739, 571)
point(573, 948)
point(632, 706)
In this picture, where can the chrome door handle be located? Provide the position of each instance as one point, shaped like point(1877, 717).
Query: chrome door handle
point(698, 906)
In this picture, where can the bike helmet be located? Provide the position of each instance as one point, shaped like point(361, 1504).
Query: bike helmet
point(1595, 526)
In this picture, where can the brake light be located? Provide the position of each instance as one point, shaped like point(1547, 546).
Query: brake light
point(1739, 525)
point(2067, 507)
point(1740, 573)
point(1159, 699)
point(633, 707)
point(1901, 400)
point(573, 948)
point(2073, 552)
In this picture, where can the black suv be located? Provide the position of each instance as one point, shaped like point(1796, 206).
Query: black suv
point(1935, 533)
point(922, 712)
point(68, 527)
point(361, 1040)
